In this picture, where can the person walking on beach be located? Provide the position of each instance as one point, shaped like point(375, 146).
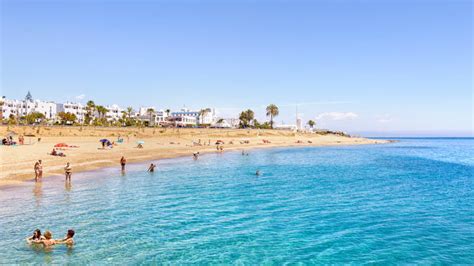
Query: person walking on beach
point(68, 172)
point(123, 161)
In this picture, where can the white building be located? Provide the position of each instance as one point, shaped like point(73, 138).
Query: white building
point(48, 109)
point(286, 127)
point(143, 111)
point(12, 107)
point(74, 108)
point(114, 112)
point(161, 117)
point(207, 116)
point(299, 123)
point(19, 108)
point(183, 121)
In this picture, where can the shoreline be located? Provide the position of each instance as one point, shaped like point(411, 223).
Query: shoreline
point(17, 161)
point(19, 183)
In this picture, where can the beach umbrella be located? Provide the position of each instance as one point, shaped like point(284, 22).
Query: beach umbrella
point(104, 140)
point(61, 145)
point(140, 142)
point(11, 133)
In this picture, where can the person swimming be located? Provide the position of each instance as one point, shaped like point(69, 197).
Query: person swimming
point(151, 168)
point(68, 239)
point(35, 237)
point(47, 241)
point(257, 173)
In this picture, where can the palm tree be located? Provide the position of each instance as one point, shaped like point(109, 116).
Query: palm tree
point(150, 111)
point(90, 107)
point(101, 110)
point(202, 113)
point(129, 111)
point(272, 111)
point(311, 123)
point(167, 111)
point(246, 117)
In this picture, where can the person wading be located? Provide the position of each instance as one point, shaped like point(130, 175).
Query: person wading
point(123, 162)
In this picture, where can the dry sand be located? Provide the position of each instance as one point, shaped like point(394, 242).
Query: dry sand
point(17, 162)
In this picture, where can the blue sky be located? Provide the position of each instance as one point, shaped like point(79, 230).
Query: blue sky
point(370, 67)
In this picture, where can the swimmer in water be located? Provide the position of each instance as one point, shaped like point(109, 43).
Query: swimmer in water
point(151, 168)
point(68, 239)
point(257, 173)
point(47, 241)
point(35, 237)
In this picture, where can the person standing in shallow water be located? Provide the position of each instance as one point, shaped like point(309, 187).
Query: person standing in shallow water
point(36, 168)
point(68, 239)
point(68, 172)
point(151, 169)
point(40, 169)
point(123, 161)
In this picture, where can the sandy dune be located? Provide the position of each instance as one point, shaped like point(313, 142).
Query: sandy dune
point(17, 162)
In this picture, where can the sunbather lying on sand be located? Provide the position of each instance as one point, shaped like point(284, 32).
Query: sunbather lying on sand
point(56, 153)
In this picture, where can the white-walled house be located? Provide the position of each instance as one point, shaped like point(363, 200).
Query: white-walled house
point(182, 121)
point(19, 108)
point(74, 108)
point(188, 115)
point(48, 109)
point(114, 112)
point(12, 107)
point(161, 117)
point(208, 117)
point(143, 111)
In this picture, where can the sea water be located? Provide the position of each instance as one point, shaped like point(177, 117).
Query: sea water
point(405, 202)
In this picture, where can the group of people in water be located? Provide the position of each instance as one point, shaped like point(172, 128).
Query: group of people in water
point(47, 239)
point(38, 167)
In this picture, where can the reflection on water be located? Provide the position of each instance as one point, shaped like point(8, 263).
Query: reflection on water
point(38, 192)
point(67, 194)
point(69, 250)
point(68, 186)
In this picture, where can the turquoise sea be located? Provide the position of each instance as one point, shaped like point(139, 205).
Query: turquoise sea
point(405, 202)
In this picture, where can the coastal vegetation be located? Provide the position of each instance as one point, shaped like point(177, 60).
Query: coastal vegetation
point(98, 115)
point(272, 111)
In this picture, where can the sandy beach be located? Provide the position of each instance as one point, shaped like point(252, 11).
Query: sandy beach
point(17, 161)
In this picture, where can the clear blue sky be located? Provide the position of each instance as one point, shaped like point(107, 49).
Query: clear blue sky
point(389, 67)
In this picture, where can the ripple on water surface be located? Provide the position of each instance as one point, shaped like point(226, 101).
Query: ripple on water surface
point(411, 201)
